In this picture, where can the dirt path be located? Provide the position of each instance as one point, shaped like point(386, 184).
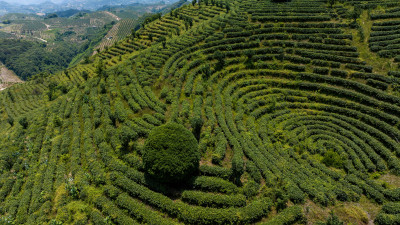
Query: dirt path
point(7, 78)
point(113, 15)
point(48, 26)
point(40, 39)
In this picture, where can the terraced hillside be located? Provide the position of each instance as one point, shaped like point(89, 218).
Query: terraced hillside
point(118, 32)
point(294, 121)
point(77, 29)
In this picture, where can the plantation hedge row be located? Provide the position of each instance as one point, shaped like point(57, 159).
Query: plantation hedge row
point(385, 16)
point(254, 172)
point(391, 208)
point(367, 69)
point(321, 70)
point(387, 219)
point(389, 53)
point(377, 84)
point(384, 33)
point(276, 36)
point(351, 95)
point(214, 184)
point(113, 211)
point(213, 200)
point(215, 171)
point(140, 211)
point(392, 194)
point(97, 218)
point(288, 216)
point(367, 152)
point(290, 18)
point(394, 74)
point(194, 214)
point(387, 23)
point(325, 47)
point(323, 56)
point(298, 30)
point(381, 45)
point(299, 9)
point(384, 38)
point(294, 67)
point(324, 63)
point(376, 28)
point(377, 146)
point(220, 149)
point(368, 190)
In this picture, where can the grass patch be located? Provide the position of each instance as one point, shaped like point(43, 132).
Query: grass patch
point(351, 213)
point(392, 180)
point(380, 65)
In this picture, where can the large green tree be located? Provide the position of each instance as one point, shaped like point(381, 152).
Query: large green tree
point(171, 153)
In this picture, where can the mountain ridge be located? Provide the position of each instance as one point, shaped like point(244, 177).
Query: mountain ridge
point(50, 7)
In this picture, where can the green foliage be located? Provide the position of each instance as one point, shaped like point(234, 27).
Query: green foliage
point(23, 122)
point(387, 219)
point(220, 148)
point(100, 68)
point(196, 124)
point(251, 188)
point(389, 214)
point(51, 15)
point(227, 7)
point(391, 208)
point(287, 216)
point(216, 171)
point(213, 200)
point(10, 120)
point(331, 3)
point(162, 40)
point(254, 172)
point(295, 194)
point(332, 220)
point(355, 13)
point(219, 56)
point(171, 154)
point(85, 75)
point(215, 184)
point(332, 159)
point(57, 121)
point(27, 58)
point(268, 129)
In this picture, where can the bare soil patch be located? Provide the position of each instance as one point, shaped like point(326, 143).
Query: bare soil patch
point(7, 78)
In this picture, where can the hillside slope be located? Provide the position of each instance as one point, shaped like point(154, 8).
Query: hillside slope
point(294, 120)
point(7, 77)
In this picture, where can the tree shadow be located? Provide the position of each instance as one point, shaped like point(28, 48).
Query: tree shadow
point(172, 190)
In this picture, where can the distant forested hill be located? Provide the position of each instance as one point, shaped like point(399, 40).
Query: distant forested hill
point(58, 40)
point(70, 12)
point(27, 58)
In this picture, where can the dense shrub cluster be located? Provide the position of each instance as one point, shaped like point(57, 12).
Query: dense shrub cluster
point(171, 154)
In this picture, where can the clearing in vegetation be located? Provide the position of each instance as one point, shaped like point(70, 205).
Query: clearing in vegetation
point(7, 77)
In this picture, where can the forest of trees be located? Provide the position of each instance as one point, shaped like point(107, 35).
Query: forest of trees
point(27, 58)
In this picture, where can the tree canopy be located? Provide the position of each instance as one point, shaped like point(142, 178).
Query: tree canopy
point(171, 153)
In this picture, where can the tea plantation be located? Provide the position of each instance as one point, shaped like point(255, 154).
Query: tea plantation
point(218, 112)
